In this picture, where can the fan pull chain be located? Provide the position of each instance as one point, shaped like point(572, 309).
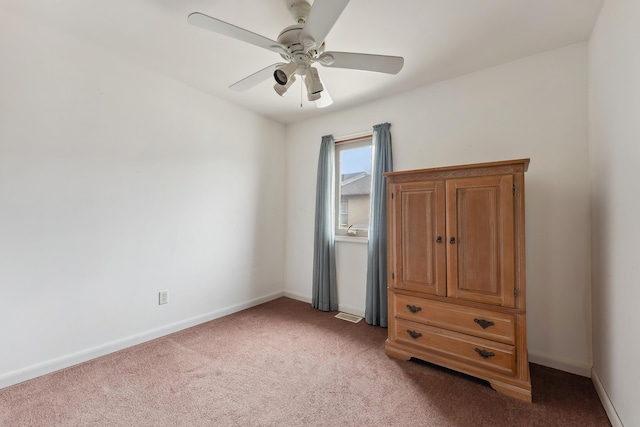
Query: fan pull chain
point(301, 93)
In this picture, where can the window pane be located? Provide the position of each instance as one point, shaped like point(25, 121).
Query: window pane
point(354, 187)
point(344, 215)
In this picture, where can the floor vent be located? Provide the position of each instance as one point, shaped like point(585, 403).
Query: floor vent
point(348, 317)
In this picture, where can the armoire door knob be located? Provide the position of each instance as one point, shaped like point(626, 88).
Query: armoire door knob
point(452, 240)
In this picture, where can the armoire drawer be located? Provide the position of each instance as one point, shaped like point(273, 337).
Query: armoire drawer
point(487, 354)
point(467, 320)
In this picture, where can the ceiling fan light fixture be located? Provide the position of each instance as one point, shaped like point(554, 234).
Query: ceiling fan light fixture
point(283, 74)
point(313, 83)
point(313, 96)
point(325, 100)
point(282, 89)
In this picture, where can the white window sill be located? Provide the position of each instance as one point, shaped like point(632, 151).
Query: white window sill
point(350, 239)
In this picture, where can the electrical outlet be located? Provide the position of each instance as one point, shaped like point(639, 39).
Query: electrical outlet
point(163, 297)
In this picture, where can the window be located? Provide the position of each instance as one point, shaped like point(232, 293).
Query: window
point(353, 186)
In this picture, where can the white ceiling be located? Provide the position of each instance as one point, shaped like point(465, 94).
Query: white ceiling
point(439, 39)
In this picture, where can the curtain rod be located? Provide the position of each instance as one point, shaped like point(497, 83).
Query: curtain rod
point(353, 137)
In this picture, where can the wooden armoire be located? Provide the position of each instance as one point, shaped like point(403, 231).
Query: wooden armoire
point(457, 281)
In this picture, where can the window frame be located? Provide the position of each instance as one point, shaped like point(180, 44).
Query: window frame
point(365, 140)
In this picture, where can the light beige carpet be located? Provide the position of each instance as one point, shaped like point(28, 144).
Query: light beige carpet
point(284, 364)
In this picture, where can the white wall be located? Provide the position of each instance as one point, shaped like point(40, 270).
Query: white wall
point(535, 107)
point(116, 183)
point(614, 105)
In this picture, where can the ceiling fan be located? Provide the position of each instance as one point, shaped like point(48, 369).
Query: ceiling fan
point(301, 46)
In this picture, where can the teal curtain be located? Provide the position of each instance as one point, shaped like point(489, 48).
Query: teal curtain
point(324, 291)
point(376, 300)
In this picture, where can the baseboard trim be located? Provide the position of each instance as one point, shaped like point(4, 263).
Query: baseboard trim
point(297, 296)
point(604, 398)
point(571, 366)
point(341, 307)
point(50, 366)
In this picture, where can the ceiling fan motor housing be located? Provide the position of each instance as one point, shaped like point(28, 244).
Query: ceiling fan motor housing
point(300, 60)
point(290, 39)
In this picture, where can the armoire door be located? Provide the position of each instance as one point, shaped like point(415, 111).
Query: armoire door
point(419, 232)
point(480, 239)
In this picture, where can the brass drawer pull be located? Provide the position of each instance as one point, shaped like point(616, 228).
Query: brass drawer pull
point(414, 334)
point(484, 323)
point(484, 353)
point(413, 308)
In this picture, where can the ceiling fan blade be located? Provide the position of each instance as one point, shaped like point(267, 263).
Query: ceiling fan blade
point(362, 61)
point(255, 78)
point(217, 26)
point(323, 15)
